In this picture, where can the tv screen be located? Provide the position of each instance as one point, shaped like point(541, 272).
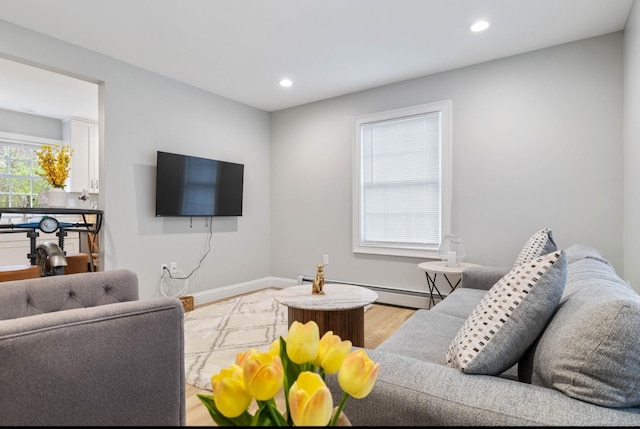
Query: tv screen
point(192, 186)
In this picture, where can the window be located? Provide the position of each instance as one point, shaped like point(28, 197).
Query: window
point(402, 180)
point(18, 164)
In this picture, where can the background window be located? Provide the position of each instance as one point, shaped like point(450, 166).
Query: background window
point(402, 180)
point(18, 177)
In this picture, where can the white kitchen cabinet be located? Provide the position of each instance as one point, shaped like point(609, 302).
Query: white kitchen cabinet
point(82, 135)
point(15, 248)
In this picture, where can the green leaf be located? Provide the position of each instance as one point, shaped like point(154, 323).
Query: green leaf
point(291, 369)
point(268, 414)
point(276, 414)
point(291, 372)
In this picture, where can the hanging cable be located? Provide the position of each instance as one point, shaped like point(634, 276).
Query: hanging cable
point(208, 249)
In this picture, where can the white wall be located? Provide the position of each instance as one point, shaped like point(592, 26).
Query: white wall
point(537, 142)
point(631, 128)
point(32, 125)
point(143, 113)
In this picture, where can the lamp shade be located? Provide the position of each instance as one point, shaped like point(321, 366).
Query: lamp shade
point(452, 250)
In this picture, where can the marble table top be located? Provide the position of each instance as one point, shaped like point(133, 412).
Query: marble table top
point(441, 267)
point(336, 297)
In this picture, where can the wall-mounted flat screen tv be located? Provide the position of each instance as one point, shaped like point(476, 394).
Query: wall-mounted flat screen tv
point(192, 186)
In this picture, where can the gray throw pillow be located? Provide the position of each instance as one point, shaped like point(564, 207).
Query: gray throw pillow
point(538, 244)
point(509, 317)
point(590, 349)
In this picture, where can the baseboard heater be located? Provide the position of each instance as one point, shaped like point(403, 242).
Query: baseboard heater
point(386, 295)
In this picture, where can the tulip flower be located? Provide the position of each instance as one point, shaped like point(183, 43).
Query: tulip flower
point(296, 364)
point(332, 351)
point(229, 393)
point(263, 375)
point(310, 400)
point(243, 357)
point(358, 374)
point(274, 349)
point(303, 342)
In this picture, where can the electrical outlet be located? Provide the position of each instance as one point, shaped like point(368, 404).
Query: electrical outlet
point(174, 267)
point(325, 259)
point(162, 268)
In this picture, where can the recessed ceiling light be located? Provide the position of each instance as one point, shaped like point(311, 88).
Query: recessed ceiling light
point(479, 26)
point(286, 83)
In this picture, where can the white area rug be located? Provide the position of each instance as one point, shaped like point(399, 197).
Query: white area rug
point(214, 334)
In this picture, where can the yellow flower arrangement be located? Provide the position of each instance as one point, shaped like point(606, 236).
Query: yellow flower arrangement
point(55, 164)
point(297, 365)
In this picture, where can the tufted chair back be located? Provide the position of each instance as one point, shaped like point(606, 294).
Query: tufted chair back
point(83, 350)
point(21, 298)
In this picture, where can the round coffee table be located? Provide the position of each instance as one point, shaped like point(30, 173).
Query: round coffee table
point(340, 309)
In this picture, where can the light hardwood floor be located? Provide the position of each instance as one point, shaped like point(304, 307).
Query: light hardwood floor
point(380, 321)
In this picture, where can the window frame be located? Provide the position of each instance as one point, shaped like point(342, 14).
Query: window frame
point(429, 251)
point(22, 139)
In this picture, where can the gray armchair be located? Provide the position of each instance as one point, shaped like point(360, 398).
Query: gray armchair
point(82, 349)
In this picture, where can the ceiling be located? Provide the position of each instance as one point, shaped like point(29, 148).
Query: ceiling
point(241, 49)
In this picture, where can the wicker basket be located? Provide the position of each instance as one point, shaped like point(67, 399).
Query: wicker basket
point(187, 302)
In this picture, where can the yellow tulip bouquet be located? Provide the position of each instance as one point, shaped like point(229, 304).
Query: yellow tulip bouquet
point(298, 364)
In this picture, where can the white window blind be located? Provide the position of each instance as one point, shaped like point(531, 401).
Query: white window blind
point(402, 180)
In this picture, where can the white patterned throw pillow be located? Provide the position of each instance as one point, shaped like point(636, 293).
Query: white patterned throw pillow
point(538, 244)
point(509, 317)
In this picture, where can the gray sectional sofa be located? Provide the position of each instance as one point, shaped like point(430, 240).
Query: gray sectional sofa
point(582, 368)
point(84, 350)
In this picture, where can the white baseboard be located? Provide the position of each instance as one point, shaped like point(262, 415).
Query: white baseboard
point(384, 297)
point(403, 300)
point(240, 288)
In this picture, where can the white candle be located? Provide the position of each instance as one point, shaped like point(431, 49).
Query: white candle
point(451, 258)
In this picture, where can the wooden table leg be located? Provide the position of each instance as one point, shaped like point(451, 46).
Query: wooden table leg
point(347, 324)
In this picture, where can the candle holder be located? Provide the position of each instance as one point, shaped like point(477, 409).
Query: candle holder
point(452, 250)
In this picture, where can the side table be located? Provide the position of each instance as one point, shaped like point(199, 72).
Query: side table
point(433, 268)
point(340, 309)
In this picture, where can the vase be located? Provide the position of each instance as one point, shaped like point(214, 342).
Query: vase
point(451, 250)
point(57, 197)
point(343, 420)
